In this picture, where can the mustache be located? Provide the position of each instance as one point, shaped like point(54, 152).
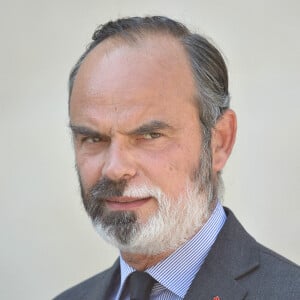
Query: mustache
point(107, 188)
point(93, 199)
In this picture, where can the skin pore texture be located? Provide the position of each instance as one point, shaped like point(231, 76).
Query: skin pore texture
point(138, 146)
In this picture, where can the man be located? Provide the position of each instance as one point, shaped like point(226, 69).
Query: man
point(149, 112)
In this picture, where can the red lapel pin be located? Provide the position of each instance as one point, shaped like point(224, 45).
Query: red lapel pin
point(216, 298)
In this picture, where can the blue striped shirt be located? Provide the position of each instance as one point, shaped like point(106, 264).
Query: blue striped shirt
point(174, 278)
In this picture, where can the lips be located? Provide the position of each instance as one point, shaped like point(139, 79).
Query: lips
point(125, 203)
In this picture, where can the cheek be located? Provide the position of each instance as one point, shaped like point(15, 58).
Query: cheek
point(169, 169)
point(89, 169)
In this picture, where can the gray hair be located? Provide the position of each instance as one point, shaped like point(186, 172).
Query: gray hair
point(208, 66)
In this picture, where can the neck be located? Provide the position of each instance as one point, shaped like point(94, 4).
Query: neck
point(141, 262)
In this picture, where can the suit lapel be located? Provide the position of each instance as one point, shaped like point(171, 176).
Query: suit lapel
point(108, 279)
point(233, 255)
point(212, 282)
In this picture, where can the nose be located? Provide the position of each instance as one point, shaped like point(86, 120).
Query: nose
point(119, 163)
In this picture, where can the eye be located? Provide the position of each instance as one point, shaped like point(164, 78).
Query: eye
point(151, 135)
point(90, 139)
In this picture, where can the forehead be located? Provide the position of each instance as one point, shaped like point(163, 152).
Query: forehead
point(152, 72)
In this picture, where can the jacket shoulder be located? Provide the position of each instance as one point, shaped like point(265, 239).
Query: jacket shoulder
point(277, 276)
point(92, 287)
point(263, 273)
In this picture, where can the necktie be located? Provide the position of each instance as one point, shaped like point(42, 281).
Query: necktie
point(140, 285)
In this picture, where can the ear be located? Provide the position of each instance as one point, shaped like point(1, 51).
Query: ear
point(223, 138)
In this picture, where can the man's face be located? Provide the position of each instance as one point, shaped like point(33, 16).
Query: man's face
point(135, 124)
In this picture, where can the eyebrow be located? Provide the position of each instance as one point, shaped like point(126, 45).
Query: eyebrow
point(83, 130)
point(154, 125)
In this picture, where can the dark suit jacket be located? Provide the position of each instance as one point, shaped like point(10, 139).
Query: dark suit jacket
point(236, 268)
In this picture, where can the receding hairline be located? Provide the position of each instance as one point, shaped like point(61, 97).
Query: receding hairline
point(205, 60)
point(131, 32)
point(135, 38)
point(145, 40)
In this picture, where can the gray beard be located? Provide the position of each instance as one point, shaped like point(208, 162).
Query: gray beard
point(176, 220)
point(120, 225)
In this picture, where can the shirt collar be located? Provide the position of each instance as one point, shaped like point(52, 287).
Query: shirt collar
point(178, 277)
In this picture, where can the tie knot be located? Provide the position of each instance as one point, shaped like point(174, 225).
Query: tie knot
point(140, 285)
